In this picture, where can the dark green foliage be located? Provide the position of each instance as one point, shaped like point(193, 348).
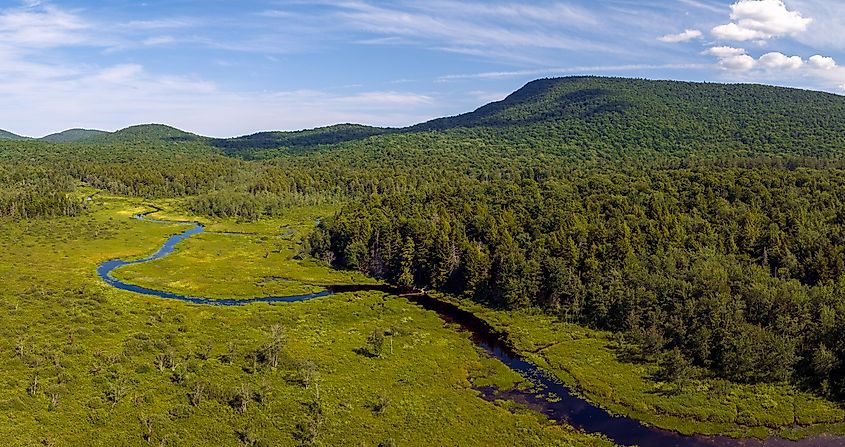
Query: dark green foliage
point(630, 116)
point(721, 264)
point(28, 191)
point(147, 133)
point(674, 367)
point(6, 135)
point(375, 342)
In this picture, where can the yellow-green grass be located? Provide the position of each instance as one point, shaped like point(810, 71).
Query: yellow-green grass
point(595, 364)
point(80, 359)
point(227, 266)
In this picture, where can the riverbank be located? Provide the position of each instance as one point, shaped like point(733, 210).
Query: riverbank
point(595, 363)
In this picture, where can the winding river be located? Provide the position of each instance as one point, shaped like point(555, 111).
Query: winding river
point(550, 396)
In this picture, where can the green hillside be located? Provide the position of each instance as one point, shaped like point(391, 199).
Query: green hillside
point(604, 119)
point(147, 132)
point(73, 135)
point(253, 144)
point(4, 135)
point(634, 115)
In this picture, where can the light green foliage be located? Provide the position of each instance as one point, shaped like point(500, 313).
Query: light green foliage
point(265, 256)
point(85, 364)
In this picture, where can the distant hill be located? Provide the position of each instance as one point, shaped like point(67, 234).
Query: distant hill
point(4, 135)
point(73, 135)
point(148, 132)
point(339, 133)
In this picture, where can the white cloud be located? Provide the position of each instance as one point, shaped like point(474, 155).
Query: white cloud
point(685, 36)
point(121, 73)
point(732, 31)
point(159, 40)
point(733, 59)
point(700, 5)
point(760, 20)
point(42, 26)
point(741, 62)
point(723, 52)
point(390, 98)
point(160, 24)
point(780, 61)
point(822, 62)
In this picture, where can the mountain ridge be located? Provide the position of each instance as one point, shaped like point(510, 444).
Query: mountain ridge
point(586, 111)
point(73, 135)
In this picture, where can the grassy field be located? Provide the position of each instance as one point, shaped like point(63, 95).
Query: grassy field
point(261, 255)
point(597, 364)
point(85, 364)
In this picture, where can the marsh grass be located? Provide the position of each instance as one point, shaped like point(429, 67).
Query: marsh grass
point(85, 364)
point(599, 366)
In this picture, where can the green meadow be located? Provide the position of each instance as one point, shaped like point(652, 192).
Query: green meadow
point(264, 258)
point(85, 364)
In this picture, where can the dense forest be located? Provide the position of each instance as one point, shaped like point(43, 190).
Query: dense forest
point(703, 221)
point(742, 271)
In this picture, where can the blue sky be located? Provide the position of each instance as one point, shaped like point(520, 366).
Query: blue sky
point(225, 68)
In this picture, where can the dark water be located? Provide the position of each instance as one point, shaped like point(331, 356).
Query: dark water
point(549, 397)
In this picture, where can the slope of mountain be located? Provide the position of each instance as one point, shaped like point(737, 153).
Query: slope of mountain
point(5, 135)
point(73, 135)
point(297, 140)
point(148, 132)
point(666, 116)
point(580, 117)
point(607, 117)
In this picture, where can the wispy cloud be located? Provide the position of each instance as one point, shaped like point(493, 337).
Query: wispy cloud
point(42, 26)
point(475, 27)
point(569, 70)
point(158, 24)
point(685, 36)
point(496, 31)
point(67, 94)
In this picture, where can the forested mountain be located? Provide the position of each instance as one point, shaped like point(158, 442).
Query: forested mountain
point(588, 117)
point(5, 135)
point(146, 133)
point(252, 145)
point(662, 117)
point(73, 135)
point(605, 119)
